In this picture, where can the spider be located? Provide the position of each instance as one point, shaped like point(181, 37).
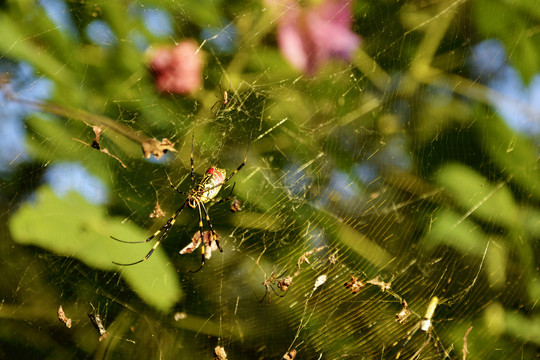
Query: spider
point(426, 325)
point(223, 101)
point(282, 283)
point(200, 193)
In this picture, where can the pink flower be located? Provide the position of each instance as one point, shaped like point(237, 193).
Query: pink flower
point(310, 37)
point(177, 70)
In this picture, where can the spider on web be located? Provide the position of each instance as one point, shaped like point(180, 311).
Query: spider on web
point(283, 284)
point(224, 100)
point(426, 325)
point(200, 193)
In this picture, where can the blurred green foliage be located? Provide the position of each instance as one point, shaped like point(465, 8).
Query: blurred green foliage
point(388, 162)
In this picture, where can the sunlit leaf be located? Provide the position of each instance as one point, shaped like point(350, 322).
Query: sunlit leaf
point(70, 226)
point(511, 23)
point(512, 154)
point(461, 234)
point(477, 196)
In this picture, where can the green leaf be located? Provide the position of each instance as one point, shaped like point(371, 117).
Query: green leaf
point(462, 234)
point(513, 154)
point(477, 196)
point(70, 226)
point(511, 22)
point(16, 43)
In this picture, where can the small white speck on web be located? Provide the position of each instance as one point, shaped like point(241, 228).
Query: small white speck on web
point(320, 280)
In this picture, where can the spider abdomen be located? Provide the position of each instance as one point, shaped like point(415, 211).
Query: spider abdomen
point(211, 183)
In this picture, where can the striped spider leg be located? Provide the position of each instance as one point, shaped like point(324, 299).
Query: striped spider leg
point(202, 192)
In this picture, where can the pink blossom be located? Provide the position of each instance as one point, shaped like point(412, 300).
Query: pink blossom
point(310, 37)
point(178, 69)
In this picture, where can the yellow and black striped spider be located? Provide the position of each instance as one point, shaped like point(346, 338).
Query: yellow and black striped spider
point(200, 193)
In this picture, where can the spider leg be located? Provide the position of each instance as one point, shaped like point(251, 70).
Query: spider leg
point(203, 247)
point(267, 292)
point(440, 346)
point(225, 199)
point(192, 172)
point(216, 104)
point(214, 236)
point(275, 292)
point(417, 353)
point(179, 191)
point(410, 334)
point(235, 171)
point(164, 230)
point(175, 187)
point(241, 165)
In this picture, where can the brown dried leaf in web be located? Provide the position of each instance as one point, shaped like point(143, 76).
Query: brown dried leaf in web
point(304, 258)
point(209, 243)
point(236, 205)
point(284, 283)
point(220, 353)
point(403, 315)
point(97, 145)
point(378, 282)
point(156, 148)
point(290, 355)
point(98, 324)
point(157, 213)
point(63, 318)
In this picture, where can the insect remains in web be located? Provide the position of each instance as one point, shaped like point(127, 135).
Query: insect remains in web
point(236, 205)
point(98, 325)
point(377, 281)
point(219, 353)
point(209, 241)
point(290, 355)
point(282, 283)
point(157, 213)
point(426, 325)
point(63, 317)
point(200, 193)
point(355, 285)
point(403, 315)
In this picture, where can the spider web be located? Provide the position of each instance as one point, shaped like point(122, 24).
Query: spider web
point(391, 178)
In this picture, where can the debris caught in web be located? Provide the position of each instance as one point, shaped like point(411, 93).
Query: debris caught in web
point(355, 285)
point(180, 316)
point(96, 143)
point(63, 318)
point(305, 258)
point(378, 282)
point(220, 353)
point(320, 280)
point(465, 350)
point(290, 355)
point(403, 315)
point(157, 213)
point(236, 205)
point(156, 148)
point(98, 324)
point(209, 243)
point(284, 283)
